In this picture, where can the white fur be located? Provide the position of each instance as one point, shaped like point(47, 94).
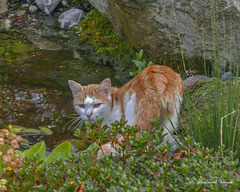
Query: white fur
point(80, 111)
point(170, 124)
point(88, 101)
point(111, 115)
point(104, 111)
point(101, 111)
point(129, 108)
point(115, 114)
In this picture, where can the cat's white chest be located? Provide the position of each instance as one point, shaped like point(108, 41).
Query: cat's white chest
point(130, 101)
point(129, 110)
point(115, 115)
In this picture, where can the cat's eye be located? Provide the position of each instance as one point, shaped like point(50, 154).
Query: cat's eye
point(81, 105)
point(97, 105)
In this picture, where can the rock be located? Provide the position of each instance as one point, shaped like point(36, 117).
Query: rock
point(226, 76)
point(64, 2)
point(47, 6)
point(5, 25)
point(10, 15)
point(70, 18)
point(25, 5)
point(49, 21)
point(156, 25)
point(47, 32)
point(21, 48)
point(3, 6)
point(32, 8)
point(20, 13)
point(45, 44)
point(190, 81)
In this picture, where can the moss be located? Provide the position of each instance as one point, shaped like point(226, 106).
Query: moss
point(83, 4)
point(2, 50)
point(4, 36)
point(98, 31)
point(21, 48)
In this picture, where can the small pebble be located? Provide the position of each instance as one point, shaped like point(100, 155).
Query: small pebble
point(25, 5)
point(33, 9)
point(20, 12)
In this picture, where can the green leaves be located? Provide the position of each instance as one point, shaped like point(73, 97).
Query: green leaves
point(40, 148)
point(140, 63)
point(17, 128)
point(60, 152)
point(21, 129)
point(93, 147)
point(29, 130)
point(143, 164)
point(46, 130)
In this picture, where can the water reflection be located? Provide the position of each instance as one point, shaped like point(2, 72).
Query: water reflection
point(32, 107)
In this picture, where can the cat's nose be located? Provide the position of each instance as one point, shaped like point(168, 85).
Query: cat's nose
point(88, 114)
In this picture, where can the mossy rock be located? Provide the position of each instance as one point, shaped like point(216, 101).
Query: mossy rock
point(21, 48)
point(99, 32)
point(2, 50)
point(4, 36)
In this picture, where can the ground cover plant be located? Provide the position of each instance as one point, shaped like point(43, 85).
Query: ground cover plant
point(143, 166)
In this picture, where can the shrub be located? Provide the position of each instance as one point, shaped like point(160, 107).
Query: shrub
point(143, 166)
point(10, 160)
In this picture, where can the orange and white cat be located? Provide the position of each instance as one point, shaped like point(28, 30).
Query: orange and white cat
point(153, 92)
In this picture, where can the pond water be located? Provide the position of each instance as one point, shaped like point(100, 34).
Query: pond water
point(34, 92)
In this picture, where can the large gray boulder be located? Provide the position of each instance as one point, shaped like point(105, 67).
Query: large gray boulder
point(3, 6)
point(156, 25)
point(71, 18)
point(47, 6)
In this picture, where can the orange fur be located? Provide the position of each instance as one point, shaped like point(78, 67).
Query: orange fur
point(154, 86)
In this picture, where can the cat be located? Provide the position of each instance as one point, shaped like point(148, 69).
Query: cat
point(153, 92)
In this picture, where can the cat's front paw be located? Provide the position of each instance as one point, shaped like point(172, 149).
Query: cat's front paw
point(106, 150)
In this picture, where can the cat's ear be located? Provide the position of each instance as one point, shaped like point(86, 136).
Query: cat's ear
point(75, 87)
point(105, 86)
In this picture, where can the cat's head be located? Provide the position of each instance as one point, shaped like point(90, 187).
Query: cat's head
point(93, 100)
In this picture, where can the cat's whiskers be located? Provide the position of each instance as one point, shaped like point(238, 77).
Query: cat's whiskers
point(79, 125)
point(74, 121)
point(77, 122)
point(71, 116)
